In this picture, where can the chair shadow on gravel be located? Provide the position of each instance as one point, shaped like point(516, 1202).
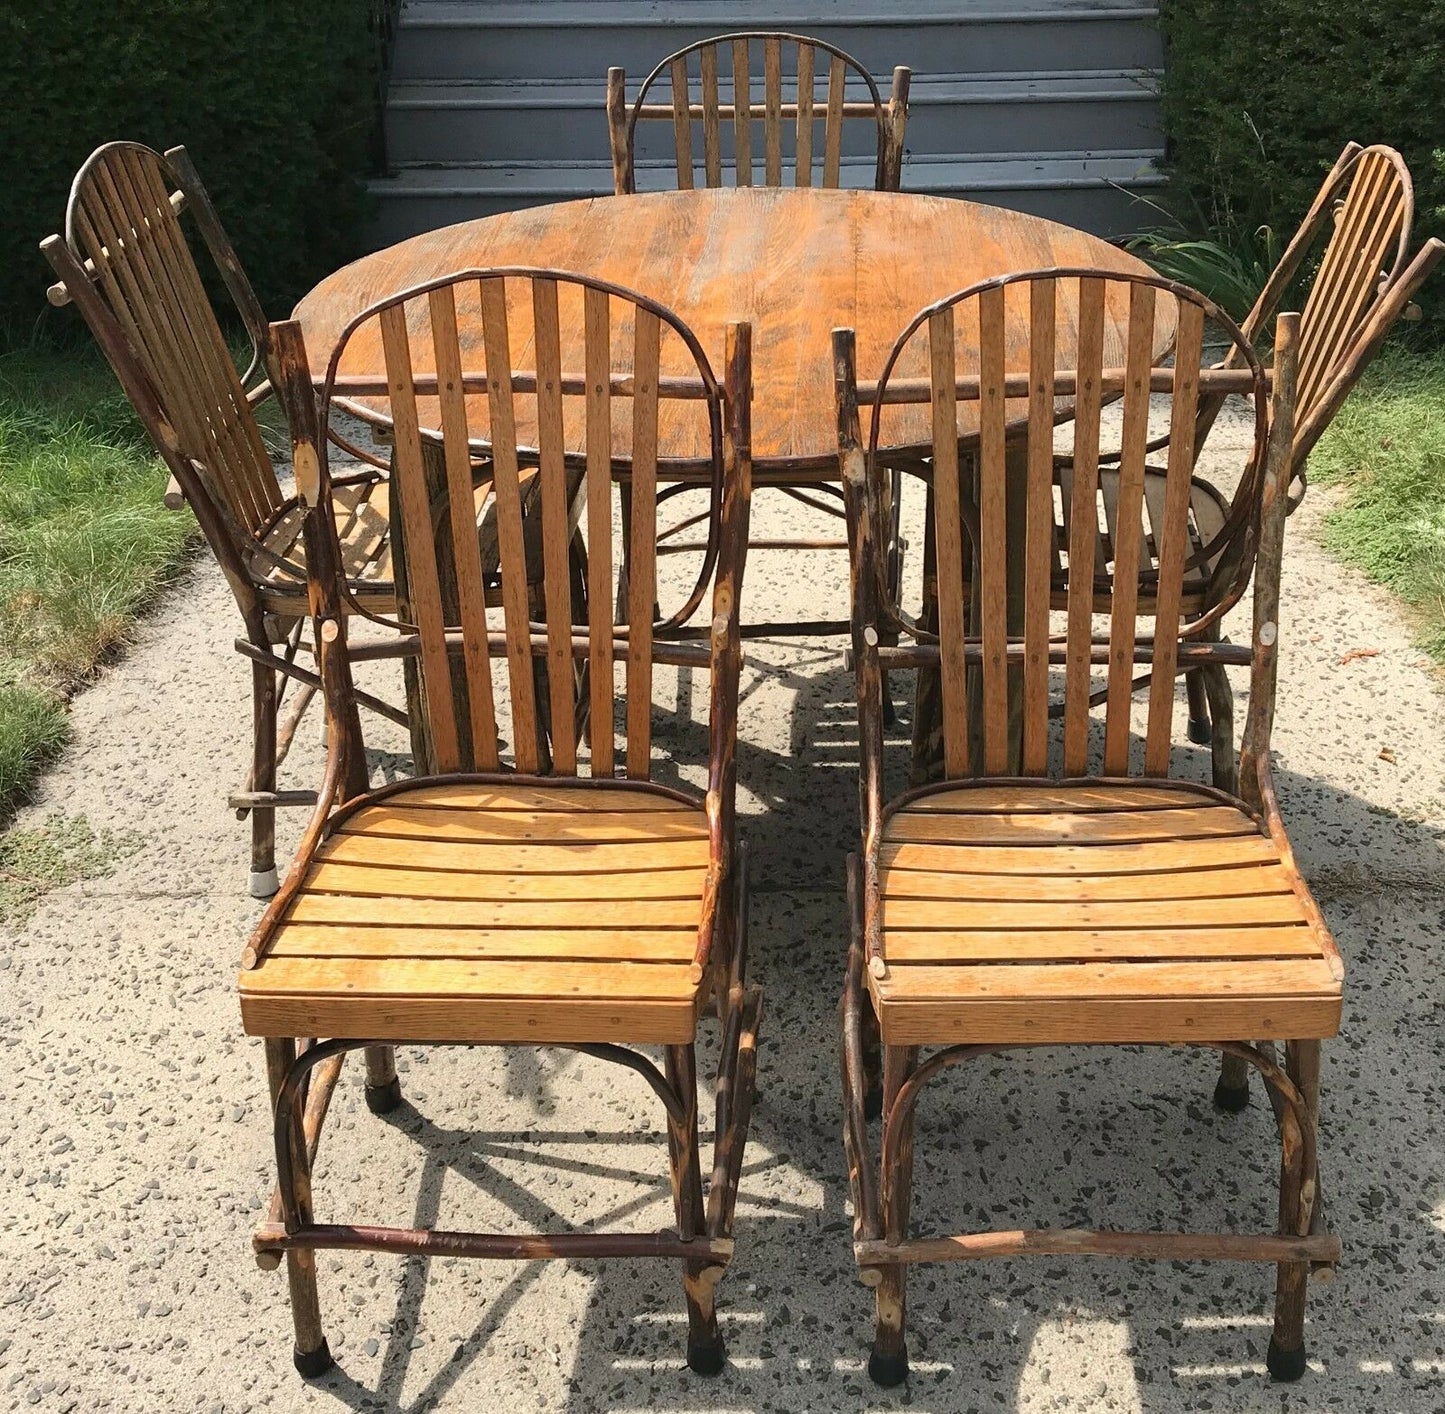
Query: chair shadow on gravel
point(1118, 1136)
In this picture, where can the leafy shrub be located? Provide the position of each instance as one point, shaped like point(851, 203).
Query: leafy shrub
point(1231, 265)
point(1259, 96)
point(273, 99)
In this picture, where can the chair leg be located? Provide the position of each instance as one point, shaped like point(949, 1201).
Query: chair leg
point(888, 1362)
point(1286, 1358)
point(893, 563)
point(706, 1353)
point(1231, 1093)
point(383, 1089)
point(926, 760)
point(624, 507)
point(310, 1354)
point(1198, 707)
point(872, 1060)
point(263, 882)
point(1224, 760)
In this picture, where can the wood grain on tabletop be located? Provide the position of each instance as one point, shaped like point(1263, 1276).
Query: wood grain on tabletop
point(795, 263)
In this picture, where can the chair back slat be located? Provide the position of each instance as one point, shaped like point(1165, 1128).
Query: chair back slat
point(598, 337)
point(789, 111)
point(1173, 536)
point(414, 507)
point(1083, 524)
point(948, 548)
point(1102, 351)
point(507, 489)
point(471, 591)
point(742, 113)
point(123, 221)
point(711, 123)
point(1127, 529)
point(553, 513)
point(556, 533)
point(833, 124)
point(773, 111)
point(993, 530)
point(804, 136)
point(1039, 547)
point(642, 549)
point(682, 123)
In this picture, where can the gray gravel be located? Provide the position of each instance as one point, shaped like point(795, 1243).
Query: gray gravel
point(135, 1156)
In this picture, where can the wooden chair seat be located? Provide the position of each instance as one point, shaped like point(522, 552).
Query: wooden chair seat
point(1065, 912)
point(493, 913)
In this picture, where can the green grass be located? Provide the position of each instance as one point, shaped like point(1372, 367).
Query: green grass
point(61, 851)
point(84, 542)
point(1386, 448)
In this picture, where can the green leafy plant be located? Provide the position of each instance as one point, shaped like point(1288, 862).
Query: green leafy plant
point(1230, 266)
point(276, 102)
point(1260, 96)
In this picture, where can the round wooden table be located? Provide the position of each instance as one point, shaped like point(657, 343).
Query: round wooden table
point(797, 263)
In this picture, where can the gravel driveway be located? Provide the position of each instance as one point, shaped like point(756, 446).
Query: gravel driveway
point(135, 1154)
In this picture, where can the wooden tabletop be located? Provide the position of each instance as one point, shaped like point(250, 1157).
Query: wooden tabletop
point(796, 263)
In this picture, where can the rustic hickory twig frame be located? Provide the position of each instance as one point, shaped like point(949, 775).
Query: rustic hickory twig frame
point(559, 896)
point(1081, 901)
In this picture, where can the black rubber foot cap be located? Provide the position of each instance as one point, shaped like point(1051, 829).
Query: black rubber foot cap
point(707, 1359)
point(1231, 1098)
point(1199, 731)
point(312, 1363)
point(1285, 1365)
point(888, 1371)
point(873, 1102)
point(383, 1099)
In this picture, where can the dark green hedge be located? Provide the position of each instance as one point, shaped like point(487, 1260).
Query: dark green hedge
point(273, 98)
point(1260, 96)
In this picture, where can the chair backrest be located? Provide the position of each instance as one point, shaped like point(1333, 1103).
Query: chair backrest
point(1372, 203)
point(467, 361)
point(995, 344)
point(805, 82)
point(1362, 216)
point(125, 263)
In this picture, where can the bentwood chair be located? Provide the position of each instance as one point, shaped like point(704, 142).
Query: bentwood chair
point(1353, 251)
point(125, 263)
point(706, 92)
point(786, 118)
point(1356, 236)
point(1083, 896)
point(590, 908)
